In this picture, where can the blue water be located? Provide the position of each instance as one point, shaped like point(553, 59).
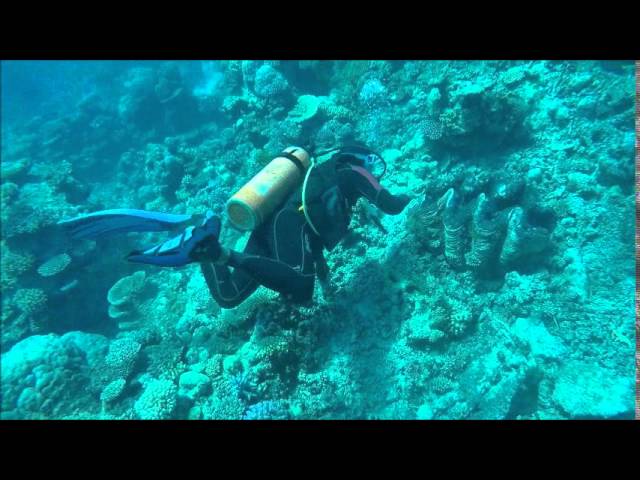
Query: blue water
point(504, 290)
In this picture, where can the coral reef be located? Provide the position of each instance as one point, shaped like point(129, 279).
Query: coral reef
point(503, 291)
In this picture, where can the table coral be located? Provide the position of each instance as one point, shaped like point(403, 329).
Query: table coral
point(305, 109)
point(122, 294)
point(54, 265)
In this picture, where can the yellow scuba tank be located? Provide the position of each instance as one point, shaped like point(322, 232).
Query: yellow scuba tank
point(260, 196)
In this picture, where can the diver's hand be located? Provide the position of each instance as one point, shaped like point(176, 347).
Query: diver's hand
point(404, 200)
point(391, 204)
point(205, 247)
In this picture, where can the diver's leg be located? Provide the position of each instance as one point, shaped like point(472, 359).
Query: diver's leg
point(291, 269)
point(276, 275)
point(229, 289)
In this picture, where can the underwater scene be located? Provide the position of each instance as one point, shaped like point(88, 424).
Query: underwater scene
point(315, 239)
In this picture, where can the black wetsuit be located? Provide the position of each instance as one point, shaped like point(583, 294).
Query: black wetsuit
point(285, 253)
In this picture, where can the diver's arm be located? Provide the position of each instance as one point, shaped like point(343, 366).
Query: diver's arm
point(358, 179)
point(391, 204)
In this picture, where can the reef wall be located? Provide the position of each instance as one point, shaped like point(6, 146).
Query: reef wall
point(504, 290)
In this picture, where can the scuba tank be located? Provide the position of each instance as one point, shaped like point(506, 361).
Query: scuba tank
point(261, 195)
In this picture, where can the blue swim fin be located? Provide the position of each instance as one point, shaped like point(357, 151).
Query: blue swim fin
point(120, 220)
point(193, 245)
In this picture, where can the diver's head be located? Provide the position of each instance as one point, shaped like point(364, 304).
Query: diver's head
point(363, 157)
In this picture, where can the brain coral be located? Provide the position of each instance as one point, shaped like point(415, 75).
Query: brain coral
point(158, 400)
point(43, 377)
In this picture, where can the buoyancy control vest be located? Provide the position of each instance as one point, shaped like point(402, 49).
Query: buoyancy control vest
point(325, 207)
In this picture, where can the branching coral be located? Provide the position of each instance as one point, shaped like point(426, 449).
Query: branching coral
point(30, 300)
point(373, 93)
point(421, 330)
point(224, 403)
point(112, 391)
point(441, 385)
point(121, 358)
point(165, 360)
point(158, 401)
point(213, 366)
point(13, 265)
point(37, 206)
point(269, 82)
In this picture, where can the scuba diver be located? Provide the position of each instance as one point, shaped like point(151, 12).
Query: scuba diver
point(295, 209)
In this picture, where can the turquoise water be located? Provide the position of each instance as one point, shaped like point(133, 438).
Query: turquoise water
point(515, 302)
